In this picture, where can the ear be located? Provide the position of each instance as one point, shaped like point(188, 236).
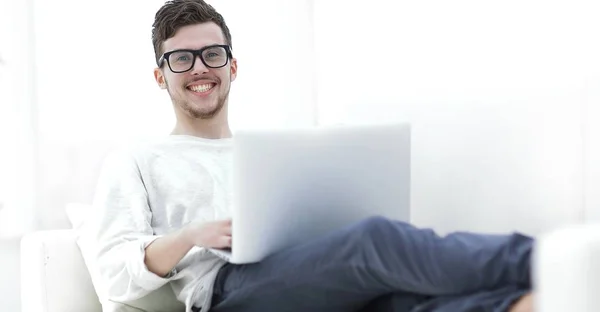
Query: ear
point(160, 78)
point(233, 69)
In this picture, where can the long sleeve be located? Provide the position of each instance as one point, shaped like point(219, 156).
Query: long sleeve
point(120, 229)
point(144, 192)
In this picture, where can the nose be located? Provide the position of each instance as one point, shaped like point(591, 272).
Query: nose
point(199, 67)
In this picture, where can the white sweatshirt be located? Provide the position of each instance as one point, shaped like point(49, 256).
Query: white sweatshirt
point(149, 191)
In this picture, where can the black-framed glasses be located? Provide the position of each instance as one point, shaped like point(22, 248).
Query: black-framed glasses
point(179, 61)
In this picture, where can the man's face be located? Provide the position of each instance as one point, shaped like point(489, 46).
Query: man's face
point(201, 92)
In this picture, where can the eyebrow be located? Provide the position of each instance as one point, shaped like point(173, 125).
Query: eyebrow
point(196, 48)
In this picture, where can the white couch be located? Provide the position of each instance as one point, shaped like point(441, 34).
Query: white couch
point(55, 278)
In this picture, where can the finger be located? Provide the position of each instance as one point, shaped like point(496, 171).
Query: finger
point(225, 227)
point(226, 241)
point(226, 230)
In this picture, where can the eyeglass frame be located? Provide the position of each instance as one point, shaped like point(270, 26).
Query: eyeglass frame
point(197, 54)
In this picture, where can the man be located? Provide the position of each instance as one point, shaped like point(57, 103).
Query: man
point(159, 207)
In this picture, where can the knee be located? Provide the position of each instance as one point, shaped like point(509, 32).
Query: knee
point(374, 227)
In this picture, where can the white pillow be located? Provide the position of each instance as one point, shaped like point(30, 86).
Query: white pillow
point(162, 299)
point(76, 213)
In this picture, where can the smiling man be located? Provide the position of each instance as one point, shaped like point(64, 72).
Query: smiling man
point(198, 91)
point(158, 207)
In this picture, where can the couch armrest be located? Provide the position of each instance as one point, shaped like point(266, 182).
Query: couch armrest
point(54, 277)
point(567, 270)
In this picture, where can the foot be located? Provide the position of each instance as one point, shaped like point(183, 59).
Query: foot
point(524, 304)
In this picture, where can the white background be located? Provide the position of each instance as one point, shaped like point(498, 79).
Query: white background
point(504, 99)
point(496, 93)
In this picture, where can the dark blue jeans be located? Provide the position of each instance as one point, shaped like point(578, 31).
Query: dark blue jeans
point(382, 265)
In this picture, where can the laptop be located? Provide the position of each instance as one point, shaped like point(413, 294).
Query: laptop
point(290, 186)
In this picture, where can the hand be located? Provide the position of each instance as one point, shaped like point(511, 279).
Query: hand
point(216, 234)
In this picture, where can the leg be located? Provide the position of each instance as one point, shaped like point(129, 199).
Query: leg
point(348, 268)
point(395, 302)
point(498, 300)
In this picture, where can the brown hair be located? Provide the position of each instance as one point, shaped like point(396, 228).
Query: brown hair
point(175, 14)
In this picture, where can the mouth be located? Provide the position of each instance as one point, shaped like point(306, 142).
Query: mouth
point(202, 89)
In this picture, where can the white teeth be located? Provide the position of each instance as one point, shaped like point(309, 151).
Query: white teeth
point(201, 88)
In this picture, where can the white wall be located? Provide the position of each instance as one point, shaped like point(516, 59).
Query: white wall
point(274, 47)
point(591, 123)
point(494, 93)
point(16, 145)
point(17, 118)
point(95, 91)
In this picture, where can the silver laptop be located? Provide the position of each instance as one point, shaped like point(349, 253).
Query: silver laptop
point(295, 185)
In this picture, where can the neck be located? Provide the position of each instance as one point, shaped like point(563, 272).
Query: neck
point(214, 128)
